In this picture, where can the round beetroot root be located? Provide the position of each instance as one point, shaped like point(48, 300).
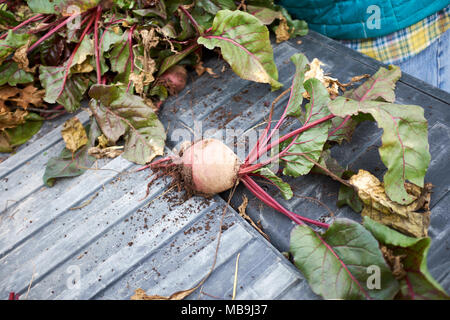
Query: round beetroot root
point(210, 167)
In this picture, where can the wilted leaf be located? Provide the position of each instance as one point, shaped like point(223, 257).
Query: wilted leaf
point(242, 208)
point(11, 43)
point(245, 45)
point(12, 119)
point(316, 71)
point(130, 115)
point(74, 134)
point(282, 31)
point(405, 149)
point(29, 96)
point(201, 69)
point(379, 207)
point(417, 282)
point(14, 137)
point(336, 264)
point(296, 27)
point(70, 164)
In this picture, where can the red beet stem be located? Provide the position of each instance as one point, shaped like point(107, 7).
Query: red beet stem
point(96, 44)
point(194, 23)
point(131, 58)
point(261, 194)
point(24, 23)
point(69, 63)
point(53, 31)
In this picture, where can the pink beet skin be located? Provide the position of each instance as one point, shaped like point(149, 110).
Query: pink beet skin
point(211, 166)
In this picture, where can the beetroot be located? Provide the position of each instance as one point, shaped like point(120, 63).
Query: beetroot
point(210, 166)
point(174, 79)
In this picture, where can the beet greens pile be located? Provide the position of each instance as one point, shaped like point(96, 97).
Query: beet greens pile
point(56, 53)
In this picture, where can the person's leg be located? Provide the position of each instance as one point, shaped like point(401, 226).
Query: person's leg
point(444, 62)
point(432, 64)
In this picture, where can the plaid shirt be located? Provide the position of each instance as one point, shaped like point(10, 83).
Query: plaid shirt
point(400, 45)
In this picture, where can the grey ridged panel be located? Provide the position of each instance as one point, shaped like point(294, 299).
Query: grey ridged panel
point(120, 241)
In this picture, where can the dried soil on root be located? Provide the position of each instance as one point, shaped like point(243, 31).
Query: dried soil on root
point(181, 179)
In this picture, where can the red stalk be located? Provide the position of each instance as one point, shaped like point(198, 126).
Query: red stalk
point(296, 132)
point(96, 45)
point(194, 23)
point(69, 63)
point(130, 44)
point(340, 126)
point(247, 167)
point(24, 23)
point(261, 194)
point(53, 31)
point(261, 139)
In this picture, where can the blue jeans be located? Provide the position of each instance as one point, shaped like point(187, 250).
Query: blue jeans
point(432, 65)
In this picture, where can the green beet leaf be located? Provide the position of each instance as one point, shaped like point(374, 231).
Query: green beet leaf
point(343, 263)
point(379, 87)
point(404, 150)
point(52, 79)
point(312, 141)
point(172, 60)
point(294, 108)
point(284, 187)
point(119, 113)
point(245, 45)
point(11, 43)
point(417, 283)
point(11, 74)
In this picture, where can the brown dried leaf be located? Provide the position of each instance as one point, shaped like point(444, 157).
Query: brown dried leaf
point(108, 152)
point(380, 208)
point(317, 72)
point(4, 143)
point(30, 96)
point(21, 97)
point(12, 119)
point(102, 141)
point(395, 262)
point(200, 69)
point(6, 93)
point(244, 215)
point(21, 57)
point(149, 38)
point(282, 31)
point(74, 134)
point(180, 295)
point(84, 67)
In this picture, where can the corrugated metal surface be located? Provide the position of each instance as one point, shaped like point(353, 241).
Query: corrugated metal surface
point(119, 242)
